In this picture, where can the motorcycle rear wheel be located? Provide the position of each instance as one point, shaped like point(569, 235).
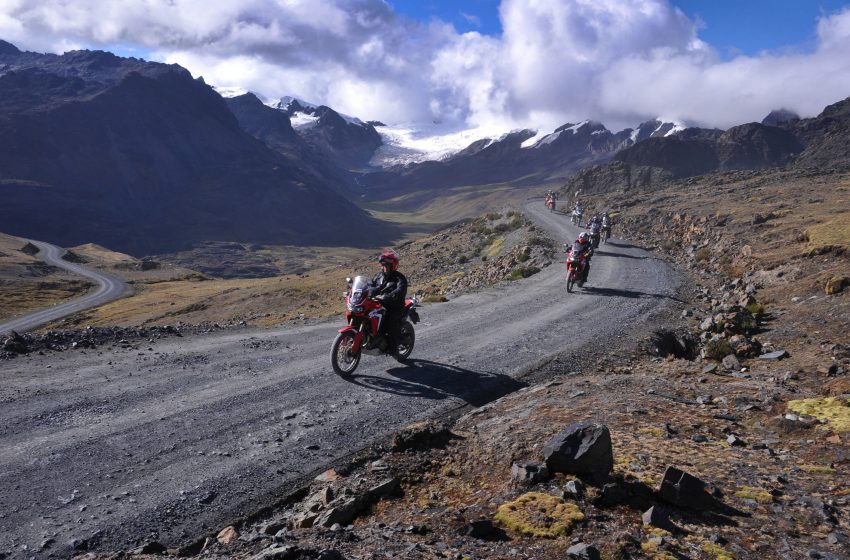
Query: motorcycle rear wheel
point(408, 339)
point(342, 360)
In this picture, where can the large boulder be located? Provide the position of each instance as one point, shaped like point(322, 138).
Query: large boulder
point(581, 448)
point(685, 490)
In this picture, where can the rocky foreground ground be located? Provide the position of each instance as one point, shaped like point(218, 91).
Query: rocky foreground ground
point(721, 433)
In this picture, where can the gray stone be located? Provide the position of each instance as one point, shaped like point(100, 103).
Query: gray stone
point(777, 355)
point(710, 368)
point(343, 513)
point(529, 472)
point(581, 448)
point(574, 489)
point(685, 490)
point(657, 517)
point(384, 489)
point(735, 441)
point(583, 551)
point(731, 362)
point(277, 552)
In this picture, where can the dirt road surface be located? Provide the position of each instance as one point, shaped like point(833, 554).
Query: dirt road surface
point(108, 448)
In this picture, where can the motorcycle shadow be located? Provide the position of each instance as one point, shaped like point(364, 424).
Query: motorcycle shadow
point(622, 244)
point(437, 381)
point(634, 294)
point(618, 255)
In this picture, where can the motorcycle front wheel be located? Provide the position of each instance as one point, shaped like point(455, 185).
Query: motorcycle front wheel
point(408, 339)
point(342, 360)
point(570, 280)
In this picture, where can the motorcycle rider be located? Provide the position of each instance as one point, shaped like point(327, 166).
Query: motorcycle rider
point(391, 290)
point(606, 223)
point(594, 225)
point(581, 249)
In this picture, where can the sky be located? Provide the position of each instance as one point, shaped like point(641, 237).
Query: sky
point(502, 64)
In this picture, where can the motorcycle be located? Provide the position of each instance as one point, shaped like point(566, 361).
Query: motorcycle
point(576, 217)
point(550, 203)
point(594, 239)
point(606, 233)
point(363, 335)
point(575, 270)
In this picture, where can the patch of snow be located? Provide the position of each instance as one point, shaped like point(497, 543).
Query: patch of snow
point(539, 135)
point(677, 127)
point(633, 136)
point(418, 142)
point(287, 100)
point(603, 131)
point(575, 127)
point(303, 120)
point(537, 140)
point(230, 91)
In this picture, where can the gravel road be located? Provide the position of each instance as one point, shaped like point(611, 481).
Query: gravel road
point(109, 288)
point(105, 449)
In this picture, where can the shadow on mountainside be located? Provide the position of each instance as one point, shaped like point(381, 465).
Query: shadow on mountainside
point(433, 380)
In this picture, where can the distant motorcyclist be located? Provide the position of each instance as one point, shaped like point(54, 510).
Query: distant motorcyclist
point(595, 224)
point(606, 225)
point(581, 249)
point(391, 290)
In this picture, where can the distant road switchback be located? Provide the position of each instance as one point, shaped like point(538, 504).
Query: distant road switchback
point(172, 440)
point(109, 288)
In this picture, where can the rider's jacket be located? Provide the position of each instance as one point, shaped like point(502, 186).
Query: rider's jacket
point(606, 221)
point(578, 248)
point(392, 289)
point(594, 226)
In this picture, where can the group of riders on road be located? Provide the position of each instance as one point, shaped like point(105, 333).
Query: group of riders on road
point(582, 249)
point(388, 290)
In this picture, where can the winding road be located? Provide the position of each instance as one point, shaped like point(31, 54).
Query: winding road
point(105, 449)
point(109, 288)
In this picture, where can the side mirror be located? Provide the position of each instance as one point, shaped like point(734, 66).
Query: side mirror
point(348, 280)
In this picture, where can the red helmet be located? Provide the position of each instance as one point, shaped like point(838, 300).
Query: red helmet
point(389, 256)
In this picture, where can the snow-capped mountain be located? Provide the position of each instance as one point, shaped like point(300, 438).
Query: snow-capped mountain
point(348, 140)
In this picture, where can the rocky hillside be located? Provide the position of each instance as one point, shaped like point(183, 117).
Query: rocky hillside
point(141, 158)
point(520, 157)
point(721, 435)
point(347, 141)
point(780, 140)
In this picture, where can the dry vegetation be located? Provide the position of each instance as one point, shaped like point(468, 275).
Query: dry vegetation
point(27, 284)
point(787, 472)
point(458, 258)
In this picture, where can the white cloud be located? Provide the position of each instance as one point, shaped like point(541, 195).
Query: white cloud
point(557, 60)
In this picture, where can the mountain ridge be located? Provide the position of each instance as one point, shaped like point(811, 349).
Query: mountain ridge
point(142, 158)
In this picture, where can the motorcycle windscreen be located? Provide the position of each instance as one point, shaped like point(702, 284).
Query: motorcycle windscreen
point(359, 290)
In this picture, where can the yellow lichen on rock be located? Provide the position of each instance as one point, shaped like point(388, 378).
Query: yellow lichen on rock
point(834, 411)
point(539, 515)
point(717, 551)
point(754, 493)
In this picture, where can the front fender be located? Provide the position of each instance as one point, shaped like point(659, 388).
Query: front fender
point(358, 338)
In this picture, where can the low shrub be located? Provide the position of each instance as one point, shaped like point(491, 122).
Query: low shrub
point(523, 272)
point(718, 349)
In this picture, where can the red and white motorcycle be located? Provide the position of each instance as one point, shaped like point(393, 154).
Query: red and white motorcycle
point(363, 334)
point(575, 269)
